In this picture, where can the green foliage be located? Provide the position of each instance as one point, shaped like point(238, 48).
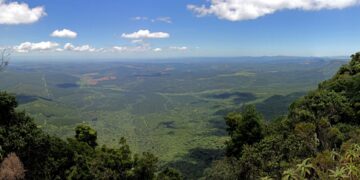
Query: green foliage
point(42, 155)
point(146, 96)
point(169, 174)
point(144, 167)
point(347, 83)
point(319, 122)
point(277, 105)
point(317, 140)
point(329, 165)
point(244, 128)
point(223, 169)
point(7, 106)
point(47, 157)
point(290, 174)
point(86, 134)
point(321, 104)
point(305, 168)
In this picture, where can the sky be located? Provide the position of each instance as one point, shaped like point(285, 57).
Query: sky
point(179, 28)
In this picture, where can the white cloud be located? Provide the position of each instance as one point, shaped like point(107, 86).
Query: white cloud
point(69, 47)
point(163, 19)
point(126, 49)
point(139, 45)
point(120, 48)
point(146, 34)
point(83, 48)
point(140, 18)
point(181, 48)
point(157, 50)
point(65, 33)
point(59, 50)
point(141, 48)
point(158, 19)
point(41, 46)
point(238, 10)
point(19, 13)
point(137, 41)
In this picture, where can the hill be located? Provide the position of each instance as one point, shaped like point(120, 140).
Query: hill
point(318, 139)
point(198, 158)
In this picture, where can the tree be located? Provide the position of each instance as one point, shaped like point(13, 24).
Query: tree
point(321, 129)
point(347, 83)
point(144, 167)
point(112, 163)
point(321, 104)
point(19, 134)
point(325, 161)
point(86, 134)
point(223, 169)
point(12, 168)
point(81, 170)
point(307, 132)
point(169, 174)
point(244, 128)
point(48, 157)
point(7, 108)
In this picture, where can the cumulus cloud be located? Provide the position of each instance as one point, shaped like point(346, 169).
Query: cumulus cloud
point(65, 33)
point(41, 46)
point(19, 13)
point(146, 34)
point(83, 48)
point(180, 48)
point(238, 10)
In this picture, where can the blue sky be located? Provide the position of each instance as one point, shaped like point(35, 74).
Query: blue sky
point(182, 28)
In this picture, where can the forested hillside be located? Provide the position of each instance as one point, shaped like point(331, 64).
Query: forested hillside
point(173, 109)
point(29, 153)
point(318, 139)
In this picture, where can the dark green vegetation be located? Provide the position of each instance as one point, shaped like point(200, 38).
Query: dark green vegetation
point(173, 110)
point(318, 139)
point(48, 157)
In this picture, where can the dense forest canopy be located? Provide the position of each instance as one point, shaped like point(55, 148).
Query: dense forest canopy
point(318, 139)
point(48, 157)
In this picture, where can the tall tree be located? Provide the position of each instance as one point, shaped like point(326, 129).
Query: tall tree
point(244, 128)
point(86, 134)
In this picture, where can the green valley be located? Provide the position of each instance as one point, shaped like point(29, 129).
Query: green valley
point(174, 110)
